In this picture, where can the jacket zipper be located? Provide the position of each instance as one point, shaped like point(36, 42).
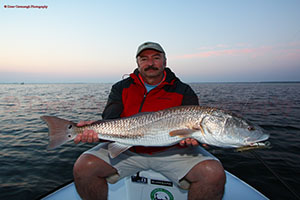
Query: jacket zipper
point(143, 101)
point(146, 93)
point(141, 106)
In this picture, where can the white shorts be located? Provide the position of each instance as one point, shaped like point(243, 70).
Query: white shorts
point(173, 163)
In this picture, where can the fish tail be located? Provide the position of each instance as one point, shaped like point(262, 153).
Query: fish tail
point(60, 131)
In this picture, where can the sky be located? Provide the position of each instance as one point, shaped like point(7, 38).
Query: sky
point(96, 41)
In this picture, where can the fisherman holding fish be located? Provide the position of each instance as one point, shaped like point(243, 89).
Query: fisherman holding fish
point(153, 121)
point(151, 87)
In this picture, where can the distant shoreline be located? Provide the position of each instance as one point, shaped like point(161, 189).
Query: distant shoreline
point(211, 82)
point(249, 82)
point(280, 82)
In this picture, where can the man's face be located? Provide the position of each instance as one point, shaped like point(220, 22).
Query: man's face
point(151, 63)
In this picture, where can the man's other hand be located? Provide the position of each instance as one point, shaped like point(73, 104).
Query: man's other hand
point(88, 135)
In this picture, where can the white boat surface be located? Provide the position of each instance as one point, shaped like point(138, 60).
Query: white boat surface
point(151, 185)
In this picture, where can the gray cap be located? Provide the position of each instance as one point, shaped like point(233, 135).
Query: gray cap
point(149, 45)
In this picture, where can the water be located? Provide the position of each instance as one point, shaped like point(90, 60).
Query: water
point(28, 170)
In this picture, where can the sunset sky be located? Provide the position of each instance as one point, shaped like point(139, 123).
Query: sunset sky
point(96, 41)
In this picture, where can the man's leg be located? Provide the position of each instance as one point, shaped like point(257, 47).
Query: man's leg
point(207, 180)
point(90, 174)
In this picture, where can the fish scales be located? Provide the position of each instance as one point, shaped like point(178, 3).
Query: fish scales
point(148, 129)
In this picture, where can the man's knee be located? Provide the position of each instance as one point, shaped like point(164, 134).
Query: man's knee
point(82, 166)
point(215, 172)
point(210, 171)
point(89, 177)
point(89, 165)
point(207, 180)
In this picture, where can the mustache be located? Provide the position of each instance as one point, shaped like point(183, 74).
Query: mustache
point(151, 67)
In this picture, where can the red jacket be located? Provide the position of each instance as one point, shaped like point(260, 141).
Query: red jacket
point(129, 97)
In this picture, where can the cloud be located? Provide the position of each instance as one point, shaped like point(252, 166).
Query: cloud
point(226, 52)
point(215, 53)
point(282, 51)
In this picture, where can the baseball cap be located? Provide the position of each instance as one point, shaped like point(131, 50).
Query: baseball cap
point(149, 45)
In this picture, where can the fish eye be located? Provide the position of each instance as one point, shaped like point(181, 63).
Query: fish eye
point(251, 128)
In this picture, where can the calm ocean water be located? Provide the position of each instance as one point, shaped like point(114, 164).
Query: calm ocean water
point(28, 170)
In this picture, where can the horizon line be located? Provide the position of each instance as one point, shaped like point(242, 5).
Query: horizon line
point(82, 82)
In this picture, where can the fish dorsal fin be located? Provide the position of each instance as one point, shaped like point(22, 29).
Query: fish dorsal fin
point(182, 132)
point(116, 149)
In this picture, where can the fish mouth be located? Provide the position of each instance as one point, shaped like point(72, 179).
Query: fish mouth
point(250, 141)
point(263, 137)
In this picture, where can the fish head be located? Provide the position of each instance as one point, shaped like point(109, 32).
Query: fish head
point(241, 132)
point(225, 129)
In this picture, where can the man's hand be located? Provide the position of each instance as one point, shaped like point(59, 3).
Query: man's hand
point(89, 136)
point(191, 142)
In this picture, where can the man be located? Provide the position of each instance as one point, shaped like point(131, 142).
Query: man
point(151, 87)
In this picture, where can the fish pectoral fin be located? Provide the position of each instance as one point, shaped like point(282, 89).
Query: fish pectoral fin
point(199, 127)
point(182, 133)
point(116, 149)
